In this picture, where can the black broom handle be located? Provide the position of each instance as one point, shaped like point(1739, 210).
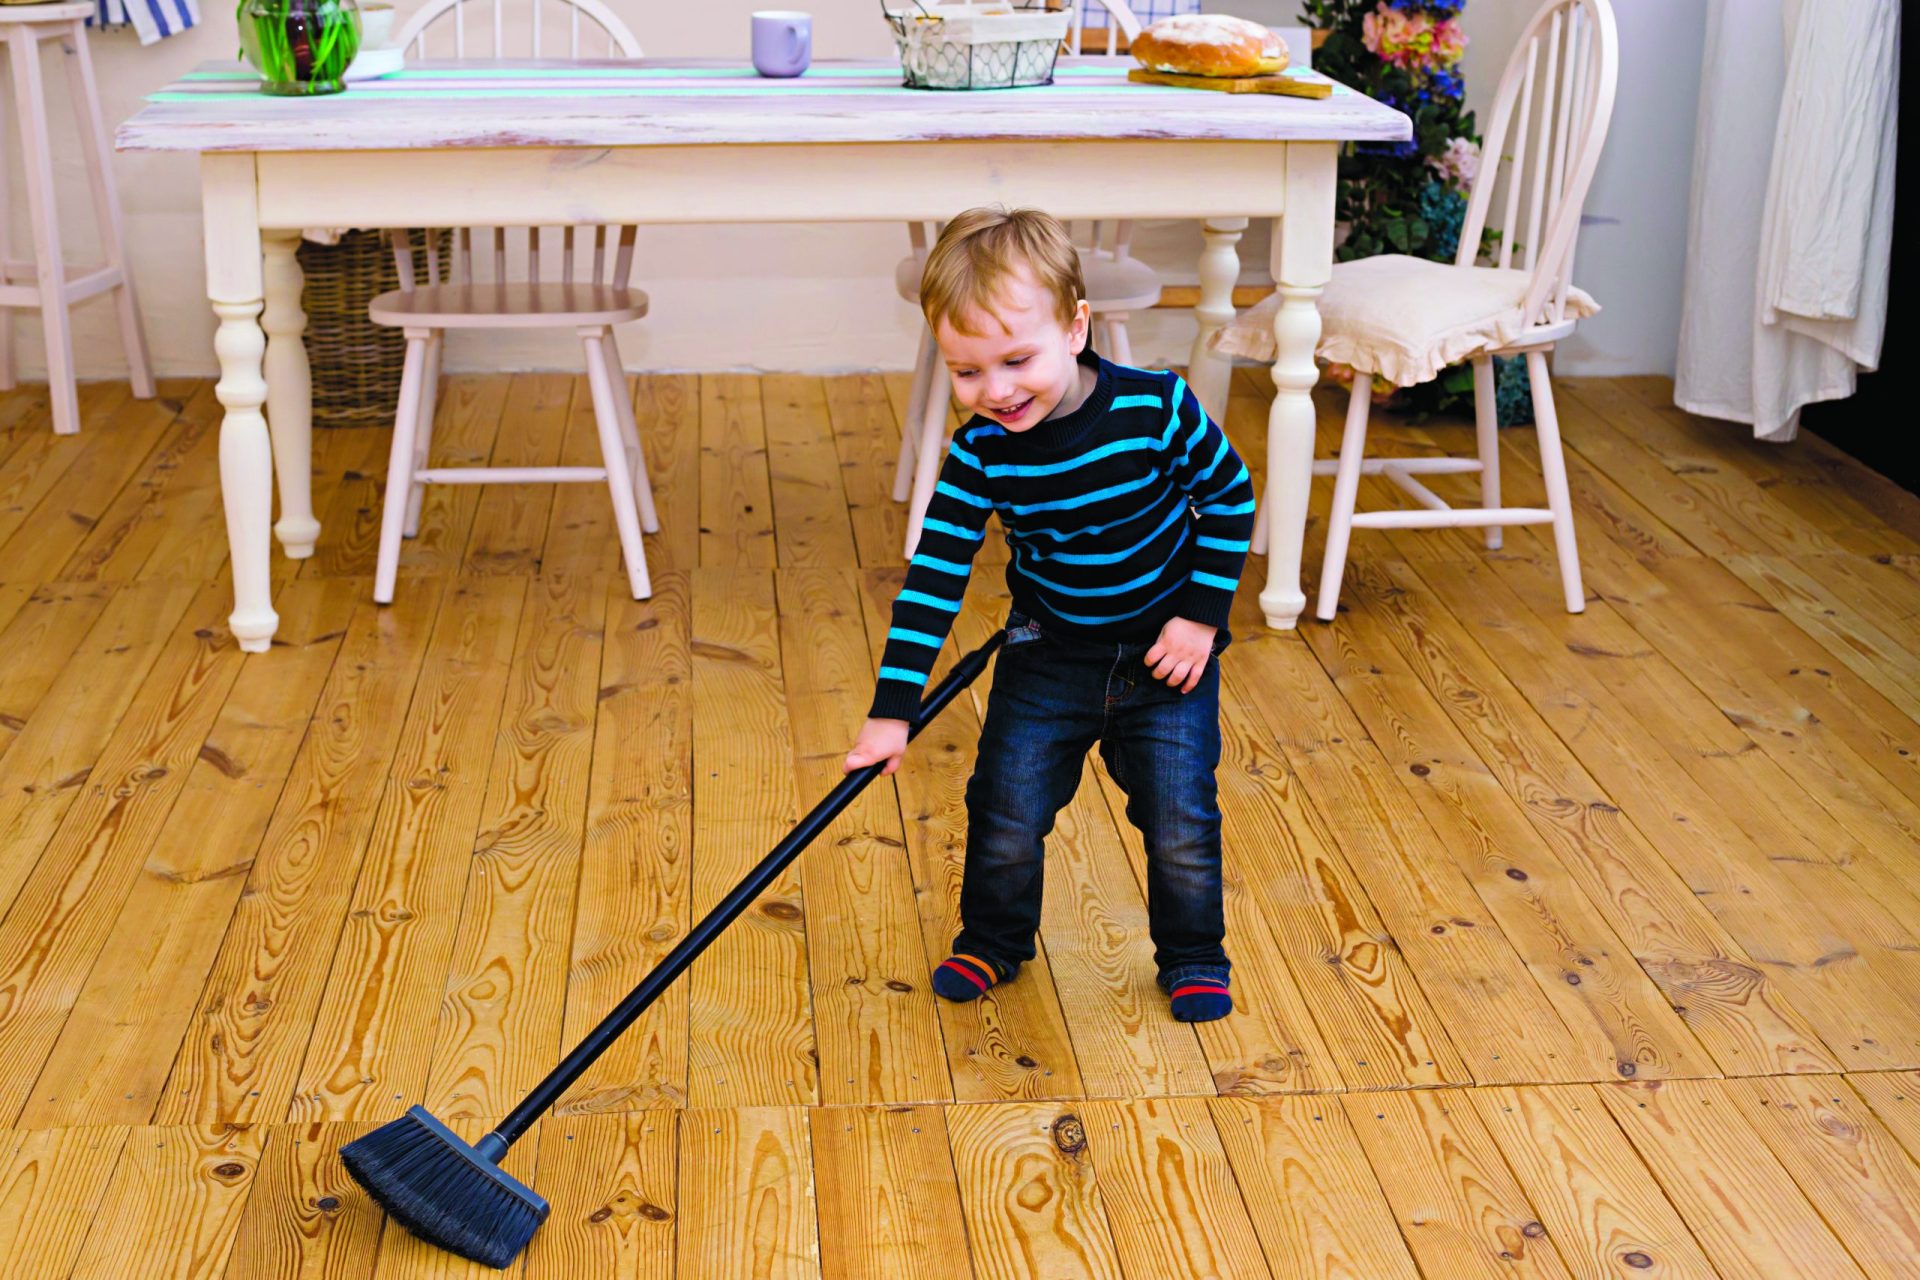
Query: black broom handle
point(548, 1091)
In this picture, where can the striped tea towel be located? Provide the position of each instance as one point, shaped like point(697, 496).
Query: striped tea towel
point(152, 19)
point(1094, 14)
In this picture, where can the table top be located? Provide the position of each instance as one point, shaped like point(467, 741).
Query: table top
point(681, 101)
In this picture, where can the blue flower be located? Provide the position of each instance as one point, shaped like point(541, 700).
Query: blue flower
point(1448, 84)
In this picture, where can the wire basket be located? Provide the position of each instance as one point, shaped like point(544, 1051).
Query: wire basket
point(978, 45)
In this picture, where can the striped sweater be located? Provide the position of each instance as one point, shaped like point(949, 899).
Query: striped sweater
point(1131, 510)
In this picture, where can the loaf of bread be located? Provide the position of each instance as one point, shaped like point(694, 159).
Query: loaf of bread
point(1210, 44)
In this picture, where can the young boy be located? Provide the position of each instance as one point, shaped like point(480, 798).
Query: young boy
point(1127, 514)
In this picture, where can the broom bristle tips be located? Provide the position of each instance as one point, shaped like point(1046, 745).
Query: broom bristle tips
point(436, 1186)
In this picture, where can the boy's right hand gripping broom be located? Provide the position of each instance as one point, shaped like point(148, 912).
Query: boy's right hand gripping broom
point(456, 1196)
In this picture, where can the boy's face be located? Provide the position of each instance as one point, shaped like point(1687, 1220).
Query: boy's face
point(1021, 363)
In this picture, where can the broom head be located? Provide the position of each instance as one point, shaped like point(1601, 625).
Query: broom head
point(442, 1190)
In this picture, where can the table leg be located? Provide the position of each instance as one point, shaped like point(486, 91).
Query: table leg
point(234, 286)
point(1302, 265)
point(290, 398)
point(1208, 373)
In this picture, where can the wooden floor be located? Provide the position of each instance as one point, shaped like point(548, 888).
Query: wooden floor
point(1565, 946)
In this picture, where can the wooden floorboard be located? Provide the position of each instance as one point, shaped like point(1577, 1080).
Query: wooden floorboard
point(1565, 946)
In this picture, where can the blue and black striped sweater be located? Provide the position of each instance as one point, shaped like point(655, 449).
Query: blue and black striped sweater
point(1130, 510)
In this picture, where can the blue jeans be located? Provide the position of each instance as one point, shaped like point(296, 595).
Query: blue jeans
point(1053, 698)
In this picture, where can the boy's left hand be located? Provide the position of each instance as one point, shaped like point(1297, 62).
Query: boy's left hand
point(1180, 655)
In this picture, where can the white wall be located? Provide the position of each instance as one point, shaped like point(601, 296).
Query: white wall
point(820, 297)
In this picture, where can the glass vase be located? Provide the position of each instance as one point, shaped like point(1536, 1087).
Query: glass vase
point(300, 46)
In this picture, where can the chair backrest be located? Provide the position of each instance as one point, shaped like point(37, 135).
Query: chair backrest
point(523, 29)
point(1110, 237)
point(1564, 68)
point(1120, 22)
point(510, 253)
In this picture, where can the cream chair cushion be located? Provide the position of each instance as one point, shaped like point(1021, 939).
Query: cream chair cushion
point(1404, 318)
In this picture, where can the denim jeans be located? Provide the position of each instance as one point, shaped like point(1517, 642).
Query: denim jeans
point(1053, 697)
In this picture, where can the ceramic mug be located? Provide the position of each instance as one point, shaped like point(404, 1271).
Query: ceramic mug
point(782, 42)
point(376, 24)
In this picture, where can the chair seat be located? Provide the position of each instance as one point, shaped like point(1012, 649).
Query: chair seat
point(507, 306)
point(1404, 318)
point(1113, 284)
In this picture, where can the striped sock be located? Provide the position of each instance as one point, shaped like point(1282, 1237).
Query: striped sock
point(1200, 997)
point(962, 977)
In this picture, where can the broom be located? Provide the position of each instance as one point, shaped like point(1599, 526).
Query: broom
point(455, 1195)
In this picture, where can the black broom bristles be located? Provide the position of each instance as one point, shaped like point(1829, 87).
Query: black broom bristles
point(442, 1190)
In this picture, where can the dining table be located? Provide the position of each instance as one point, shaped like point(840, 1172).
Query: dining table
point(677, 141)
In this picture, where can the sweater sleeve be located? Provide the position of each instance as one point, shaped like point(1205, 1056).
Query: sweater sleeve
point(924, 610)
point(1197, 456)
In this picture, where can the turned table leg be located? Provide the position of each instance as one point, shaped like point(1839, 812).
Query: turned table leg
point(234, 286)
point(1302, 265)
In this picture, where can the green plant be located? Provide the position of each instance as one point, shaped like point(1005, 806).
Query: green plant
point(299, 46)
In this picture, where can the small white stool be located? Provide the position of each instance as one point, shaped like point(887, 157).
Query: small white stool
point(52, 288)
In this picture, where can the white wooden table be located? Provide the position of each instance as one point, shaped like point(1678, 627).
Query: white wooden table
point(530, 143)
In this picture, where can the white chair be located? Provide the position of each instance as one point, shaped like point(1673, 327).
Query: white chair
point(1118, 284)
point(1406, 318)
point(589, 298)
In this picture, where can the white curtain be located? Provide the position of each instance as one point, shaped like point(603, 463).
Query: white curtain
point(1791, 220)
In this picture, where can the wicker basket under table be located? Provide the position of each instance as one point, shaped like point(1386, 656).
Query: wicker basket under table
point(356, 363)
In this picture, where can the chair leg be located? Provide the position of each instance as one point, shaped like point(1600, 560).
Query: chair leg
point(931, 447)
point(630, 433)
point(1553, 466)
point(29, 97)
point(1486, 423)
point(106, 205)
point(1120, 346)
point(406, 425)
point(613, 448)
point(1346, 495)
point(423, 437)
point(926, 377)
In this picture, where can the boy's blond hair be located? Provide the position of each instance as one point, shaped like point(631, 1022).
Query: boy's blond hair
point(981, 249)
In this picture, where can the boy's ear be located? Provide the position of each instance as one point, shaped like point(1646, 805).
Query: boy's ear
point(1081, 327)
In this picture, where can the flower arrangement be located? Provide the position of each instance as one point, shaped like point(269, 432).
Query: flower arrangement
point(1410, 38)
point(1411, 197)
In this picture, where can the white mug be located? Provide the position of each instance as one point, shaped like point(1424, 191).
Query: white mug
point(782, 42)
point(376, 24)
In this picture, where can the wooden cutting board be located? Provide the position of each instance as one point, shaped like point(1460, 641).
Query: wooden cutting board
point(1291, 86)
